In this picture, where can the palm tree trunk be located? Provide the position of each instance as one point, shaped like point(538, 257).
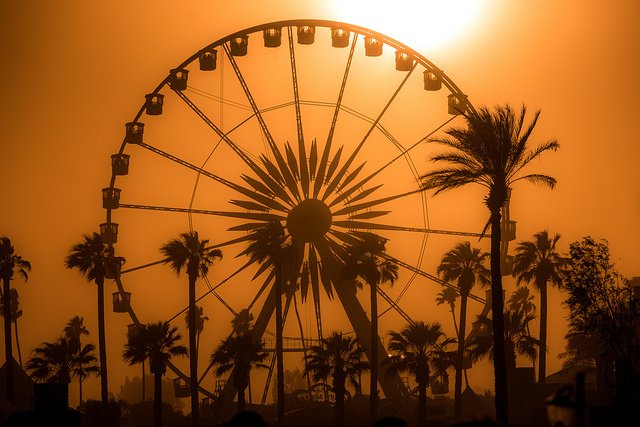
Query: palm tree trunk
point(279, 349)
point(422, 405)
point(542, 367)
point(15, 328)
point(144, 385)
point(338, 389)
point(157, 399)
point(193, 353)
point(373, 387)
point(8, 356)
point(460, 357)
point(79, 391)
point(102, 344)
point(497, 308)
point(241, 400)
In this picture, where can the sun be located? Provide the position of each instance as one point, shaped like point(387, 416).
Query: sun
point(422, 24)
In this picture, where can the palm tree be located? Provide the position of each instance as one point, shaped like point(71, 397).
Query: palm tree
point(539, 263)
point(61, 360)
point(491, 151)
point(448, 295)
point(89, 257)
point(413, 349)
point(52, 362)
point(200, 319)
point(15, 314)
point(268, 245)
point(192, 254)
point(85, 364)
point(242, 322)
point(9, 263)
point(517, 339)
point(464, 265)
point(240, 352)
point(86, 361)
point(74, 329)
point(157, 342)
point(366, 259)
point(341, 358)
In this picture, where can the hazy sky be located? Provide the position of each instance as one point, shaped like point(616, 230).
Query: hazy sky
point(73, 73)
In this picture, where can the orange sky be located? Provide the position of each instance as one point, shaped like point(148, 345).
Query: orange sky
point(74, 73)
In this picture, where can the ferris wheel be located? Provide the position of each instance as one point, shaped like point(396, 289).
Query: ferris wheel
point(317, 125)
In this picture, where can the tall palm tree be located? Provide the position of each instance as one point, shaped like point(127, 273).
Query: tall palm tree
point(464, 265)
point(15, 314)
point(136, 343)
point(448, 295)
point(341, 358)
point(190, 253)
point(10, 262)
point(200, 319)
point(517, 339)
point(413, 349)
point(157, 342)
point(85, 364)
point(86, 361)
point(539, 263)
point(240, 352)
point(74, 329)
point(89, 257)
point(366, 259)
point(268, 244)
point(491, 151)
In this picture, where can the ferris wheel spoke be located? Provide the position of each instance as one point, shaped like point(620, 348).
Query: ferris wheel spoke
point(282, 165)
point(365, 205)
point(264, 199)
point(266, 178)
point(346, 193)
point(393, 305)
point(327, 265)
point(320, 177)
point(242, 215)
point(263, 287)
point(363, 225)
point(429, 276)
point(336, 180)
point(302, 156)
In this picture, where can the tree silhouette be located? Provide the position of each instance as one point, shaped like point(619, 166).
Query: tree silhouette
point(413, 349)
point(200, 319)
point(537, 262)
point(491, 151)
point(464, 265)
point(190, 253)
point(240, 352)
point(74, 329)
point(341, 358)
point(366, 259)
point(601, 310)
point(15, 314)
point(268, 245)
point(517, 338)
point(448, 295)
point(10, 262)
point(90, 257)
point(60, 361)
point(157, 342)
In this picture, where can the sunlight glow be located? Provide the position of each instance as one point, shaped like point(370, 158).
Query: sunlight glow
point(421, 24)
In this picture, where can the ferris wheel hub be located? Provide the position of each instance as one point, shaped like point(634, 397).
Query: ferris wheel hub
point(309, 220)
